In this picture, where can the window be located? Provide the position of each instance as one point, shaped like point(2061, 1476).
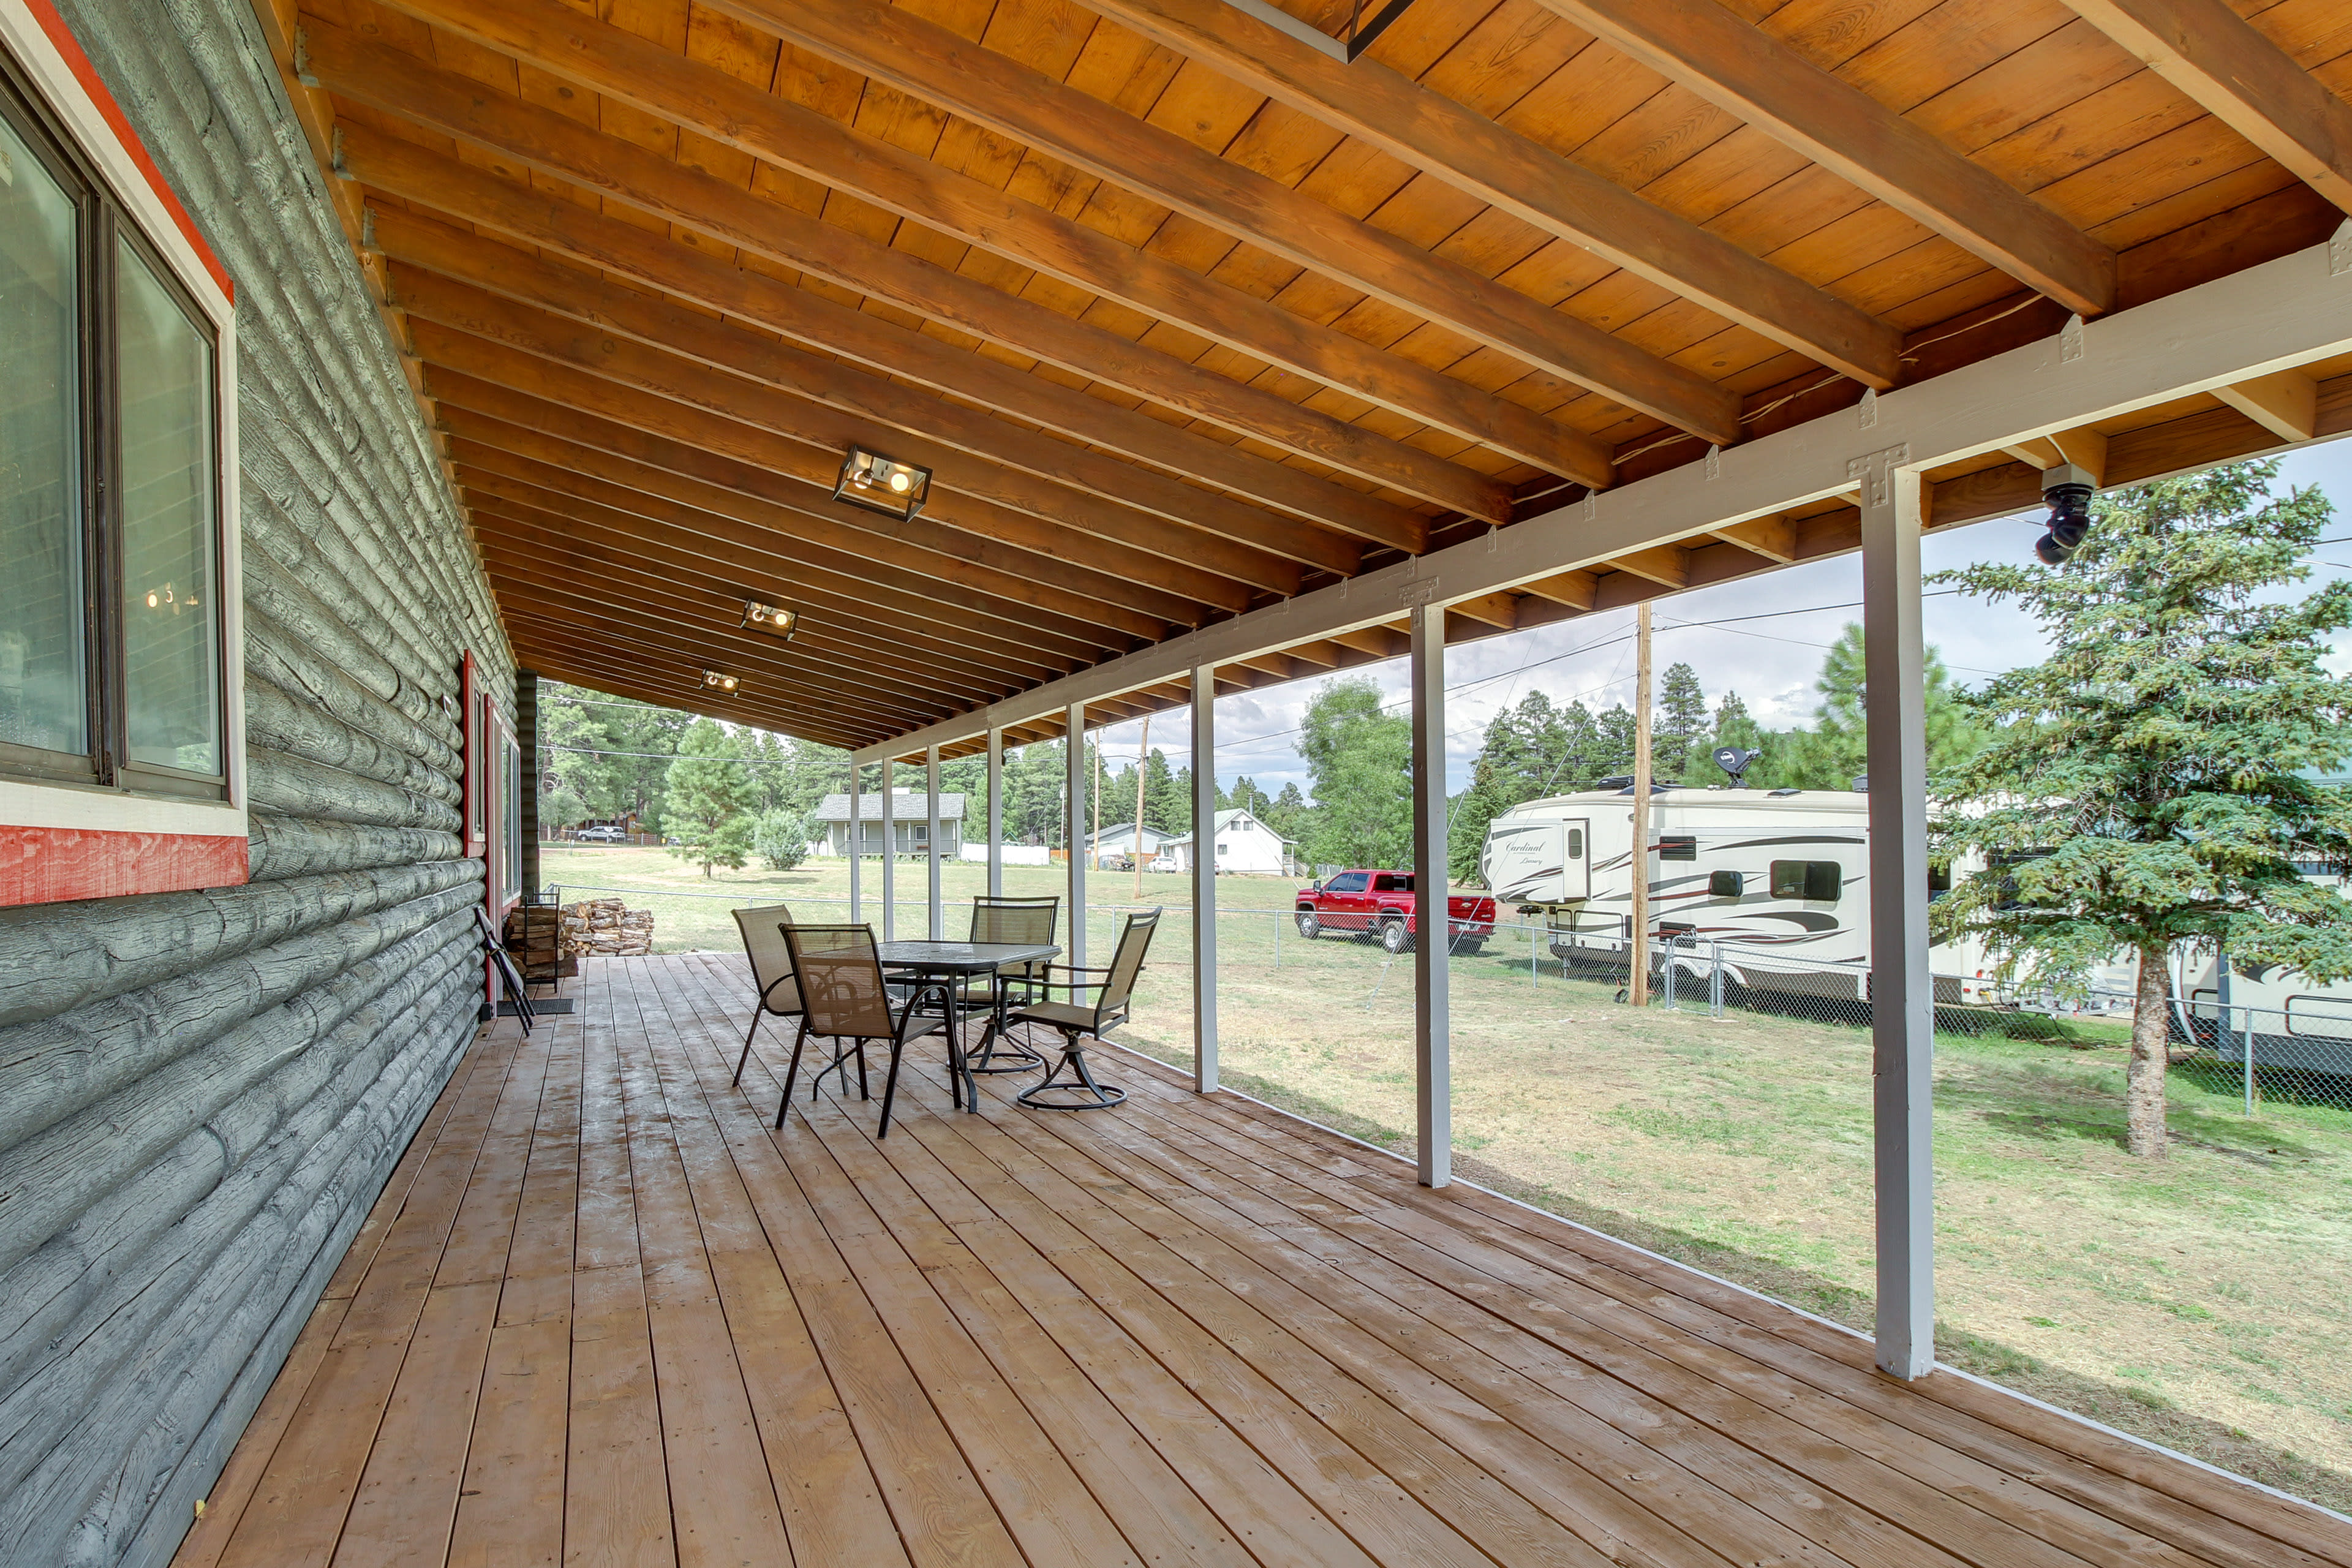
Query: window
point(1347, 882)
point(1726, 884)
point(1576, 843)
point(2325, 1017)
point(1224, 848)
point(111, 661)
point(1815, 882)
point(1677, 846)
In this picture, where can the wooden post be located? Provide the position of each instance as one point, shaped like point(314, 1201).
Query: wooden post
point(1902, 996)
point(1639, 865)
point(889, 856)
point(931, 782)
point(995, 811)
point(1433, 1016)
point(856, 844)
point(1142, 761)
point(1074, 813)
point(1205, 879)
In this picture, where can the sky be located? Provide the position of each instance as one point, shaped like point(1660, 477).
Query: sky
point(1763, 636)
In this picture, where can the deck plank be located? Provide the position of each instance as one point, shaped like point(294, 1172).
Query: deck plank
point(605, 1315)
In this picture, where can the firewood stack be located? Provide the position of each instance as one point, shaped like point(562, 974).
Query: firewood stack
point(535, 941)
point(605, 928)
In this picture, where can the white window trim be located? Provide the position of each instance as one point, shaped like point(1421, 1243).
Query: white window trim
point(27, 804)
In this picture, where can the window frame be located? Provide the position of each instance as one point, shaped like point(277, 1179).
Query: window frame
point(79, 833)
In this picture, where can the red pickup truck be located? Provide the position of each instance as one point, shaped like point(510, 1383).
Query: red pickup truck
point(1381, 902)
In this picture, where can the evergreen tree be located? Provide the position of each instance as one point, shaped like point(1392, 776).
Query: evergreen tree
point(1246, 796)
point(1612, 747)
point(1360, 757)
point(780, 836)
point(1167, 803)
point(1836, 751)
point(706, 799)
point(2149, 783)
point(1734, 726)
point(1290, 817)
point(1679, 727)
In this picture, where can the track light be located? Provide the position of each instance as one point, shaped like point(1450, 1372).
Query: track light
point(882, 484)
point(2067, 490)
point(718, 683)
point(773, 619)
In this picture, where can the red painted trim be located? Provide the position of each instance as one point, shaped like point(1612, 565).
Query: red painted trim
point(50, 865)
point(84, 72)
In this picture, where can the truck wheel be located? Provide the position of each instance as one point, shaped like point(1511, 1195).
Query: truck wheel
point(1394, 937)
point(1308, 926)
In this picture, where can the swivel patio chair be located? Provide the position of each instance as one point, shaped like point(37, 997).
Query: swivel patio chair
point(1029, 921)
point(772, 973)
point(1079, 1023)
point(843, 997)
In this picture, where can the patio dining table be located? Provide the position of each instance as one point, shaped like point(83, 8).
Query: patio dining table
point(962, 962)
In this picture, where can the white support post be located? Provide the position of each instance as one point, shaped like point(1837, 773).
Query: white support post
point(995, 812)
point(1432, 1044)
point(856, 844)
point(889, 856)
point(1902, 996)
point(1205, 879)
point(932, 785)
point(1074, 808)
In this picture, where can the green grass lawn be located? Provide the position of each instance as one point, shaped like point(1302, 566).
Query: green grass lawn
point(2199, 1301)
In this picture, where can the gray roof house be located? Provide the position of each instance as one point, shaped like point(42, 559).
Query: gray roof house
point(911, 820)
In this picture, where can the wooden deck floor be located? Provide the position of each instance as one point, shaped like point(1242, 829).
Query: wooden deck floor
point(602, 1316)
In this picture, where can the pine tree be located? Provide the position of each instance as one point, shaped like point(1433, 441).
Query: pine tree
point(1359, 756)
point(2149, 783)
point(1836, 751)
point(1678, 732)
point(707, 801)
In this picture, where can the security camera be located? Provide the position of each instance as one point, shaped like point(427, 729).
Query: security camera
point(2066, 491)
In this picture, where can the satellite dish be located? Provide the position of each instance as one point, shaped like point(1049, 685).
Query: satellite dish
point(1736, 761)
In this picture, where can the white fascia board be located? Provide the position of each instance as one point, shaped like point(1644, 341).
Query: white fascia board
point(2284, 313)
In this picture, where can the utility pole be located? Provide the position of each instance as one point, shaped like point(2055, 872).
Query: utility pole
point(1142, 761)
point(1640, 863)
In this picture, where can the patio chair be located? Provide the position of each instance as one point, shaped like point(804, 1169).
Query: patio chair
point(1079, 1023)
point(772, 973)
point(843, 997)
point(1027, 920)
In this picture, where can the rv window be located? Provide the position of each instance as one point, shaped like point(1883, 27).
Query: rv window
point(1939, 881)
point(1818, 881)
point(1677, 846)
point(1726, 885)
point(2329, 1017)
point(1576, 843)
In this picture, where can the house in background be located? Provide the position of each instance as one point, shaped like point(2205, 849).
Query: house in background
point(1117, 842)
point(1243, 845)
point(910, 816)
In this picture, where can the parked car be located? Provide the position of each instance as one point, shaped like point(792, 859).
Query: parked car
point(604, 832)
point(1164, 863)
point(1379, 903)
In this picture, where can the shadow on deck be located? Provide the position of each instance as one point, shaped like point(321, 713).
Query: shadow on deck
point(602, 1314)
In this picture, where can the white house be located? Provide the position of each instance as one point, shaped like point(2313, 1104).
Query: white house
point(1243, 845)
point(910, 815)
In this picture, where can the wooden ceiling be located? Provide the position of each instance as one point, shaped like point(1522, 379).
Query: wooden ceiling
point(1189, 315)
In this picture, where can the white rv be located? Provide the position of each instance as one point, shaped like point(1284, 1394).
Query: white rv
point(2283, 1018)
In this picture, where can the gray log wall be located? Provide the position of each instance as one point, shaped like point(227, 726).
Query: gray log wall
point(201, 1094)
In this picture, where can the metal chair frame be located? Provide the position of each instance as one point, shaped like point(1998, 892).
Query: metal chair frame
point(1110, 1012)
point(748, 921)
point(901, 1021)
point(993, 1038)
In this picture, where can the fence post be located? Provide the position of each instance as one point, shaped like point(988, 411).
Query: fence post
point(2246, 1034)
point(1279, 921)
point(1535, 949)
point(1671, 967)
point(1715, 985)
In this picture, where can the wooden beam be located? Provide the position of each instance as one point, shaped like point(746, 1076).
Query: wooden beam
point(1498, 610)
point(839, 256)
point(1574, 589)
point(1717, 54)
point(1668, 566)
point(802, 396)
point(557, 525)
point(1775, 537)
point(599, 671)
point(916, 575)
point(655, 431)
point(709, 102)
point(2236, 74)
point(758, 464)
point(1380, 642)
point(2084, 447)
point(2286, 404)
point(895, 45)
point(809, 318)
point(1430, 131)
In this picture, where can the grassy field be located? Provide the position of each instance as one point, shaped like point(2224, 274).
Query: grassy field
point(2199, 1302)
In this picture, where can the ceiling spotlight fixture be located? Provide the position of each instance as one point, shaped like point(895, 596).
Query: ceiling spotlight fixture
point(882, 484)
point(718, 683)
point(2066, 491)
point(772, 618)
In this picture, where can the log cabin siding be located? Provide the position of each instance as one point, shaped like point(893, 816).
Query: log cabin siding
point(201, 1093)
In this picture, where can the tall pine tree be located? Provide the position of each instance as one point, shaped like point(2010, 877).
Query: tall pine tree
point(2148, 784)
point(706, 800)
